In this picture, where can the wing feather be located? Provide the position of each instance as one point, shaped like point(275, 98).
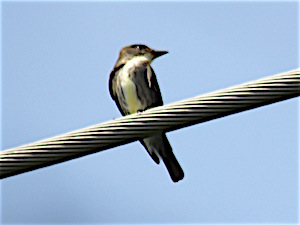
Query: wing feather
point(112, 87)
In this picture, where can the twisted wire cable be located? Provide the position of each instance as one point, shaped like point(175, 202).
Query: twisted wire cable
point(140, 125)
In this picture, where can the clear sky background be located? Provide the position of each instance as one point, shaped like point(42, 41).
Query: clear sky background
point(56, 60)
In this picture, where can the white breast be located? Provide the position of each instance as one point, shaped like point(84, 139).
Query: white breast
point(128, 86)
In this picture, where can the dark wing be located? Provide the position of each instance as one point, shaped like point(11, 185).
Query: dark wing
point(153, 155)
point(112, 87)
point(157, 101)
point(112, 82)
point(153, 85)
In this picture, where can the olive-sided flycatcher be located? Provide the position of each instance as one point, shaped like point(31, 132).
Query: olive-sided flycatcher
point(134, 88)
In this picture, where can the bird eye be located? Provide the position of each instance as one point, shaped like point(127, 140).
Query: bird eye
point(137, 47)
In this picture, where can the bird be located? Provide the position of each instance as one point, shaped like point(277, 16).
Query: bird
point(134, 88)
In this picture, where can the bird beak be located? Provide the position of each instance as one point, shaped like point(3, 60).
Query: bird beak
point(157, 53)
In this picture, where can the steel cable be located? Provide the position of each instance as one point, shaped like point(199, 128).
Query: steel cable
point(136, 126)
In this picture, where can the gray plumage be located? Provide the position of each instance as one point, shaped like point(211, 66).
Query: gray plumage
point(134, 88)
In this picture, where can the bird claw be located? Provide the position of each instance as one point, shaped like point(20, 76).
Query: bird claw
point(140, 111)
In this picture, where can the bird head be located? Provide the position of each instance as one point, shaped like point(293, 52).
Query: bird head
point(131, 51)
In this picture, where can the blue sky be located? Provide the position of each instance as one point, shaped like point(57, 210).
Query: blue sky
point(56, 60)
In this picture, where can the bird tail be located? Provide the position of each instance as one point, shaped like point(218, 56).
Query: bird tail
point(159, 144)
point(170, 161)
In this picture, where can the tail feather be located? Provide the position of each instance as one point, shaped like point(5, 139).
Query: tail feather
point(174, 169)
point(171, 162)
point(160, 145)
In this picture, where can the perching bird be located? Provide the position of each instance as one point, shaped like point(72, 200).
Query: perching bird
point(134, 88)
